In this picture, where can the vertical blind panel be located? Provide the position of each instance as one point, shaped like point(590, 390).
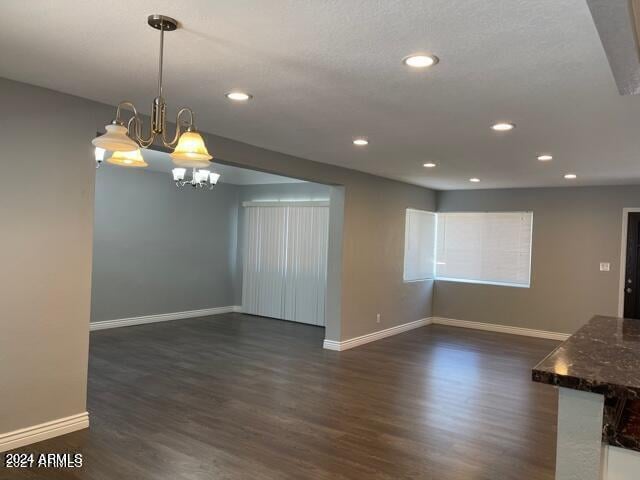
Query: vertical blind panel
point(265, 261)
point(306, 268)
point(419, 238)
point(485, 247)
point(285, 266)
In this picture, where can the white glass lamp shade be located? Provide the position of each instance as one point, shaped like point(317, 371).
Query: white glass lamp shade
point(128, 159)
point(213, 178)
point(202, 176)
point(115, 140)
point(99, 154)
point(191, 151)
point(178, 174)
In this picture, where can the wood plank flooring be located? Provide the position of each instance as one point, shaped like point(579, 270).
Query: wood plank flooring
point(238, 397)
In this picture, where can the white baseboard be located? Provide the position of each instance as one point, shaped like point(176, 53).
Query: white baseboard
point(492, 327)
point(163, 317)
point(372, 337)
point(43, 431)
point(237, 308)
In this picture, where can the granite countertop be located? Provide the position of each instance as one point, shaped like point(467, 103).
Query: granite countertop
point(601, 357)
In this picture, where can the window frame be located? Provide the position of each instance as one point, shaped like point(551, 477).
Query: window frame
point(432, 276)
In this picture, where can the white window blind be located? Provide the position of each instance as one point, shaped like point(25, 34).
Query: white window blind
point(485, 247)
point(419, 238)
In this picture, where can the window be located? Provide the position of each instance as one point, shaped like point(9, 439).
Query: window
point(482, 247)
point(419, 238)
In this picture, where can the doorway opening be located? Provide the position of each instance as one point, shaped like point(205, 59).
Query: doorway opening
point(256, 243)
point(629, 296)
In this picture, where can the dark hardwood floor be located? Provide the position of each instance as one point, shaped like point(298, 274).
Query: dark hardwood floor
point(240, 397)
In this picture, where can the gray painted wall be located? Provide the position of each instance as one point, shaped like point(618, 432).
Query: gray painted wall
point(159, 248)
point(574, 229)
point(45, 280)
point(284, 191)
point(373, 249)
point(281, 192)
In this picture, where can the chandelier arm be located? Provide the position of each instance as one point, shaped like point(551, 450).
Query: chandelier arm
point(188, 125)
point(134, 126)
point(119, 108)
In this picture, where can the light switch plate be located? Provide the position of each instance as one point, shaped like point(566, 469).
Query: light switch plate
point(605, 266)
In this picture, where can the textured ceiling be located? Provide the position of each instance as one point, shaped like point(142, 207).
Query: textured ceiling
point(325, 71)
point(161, 162)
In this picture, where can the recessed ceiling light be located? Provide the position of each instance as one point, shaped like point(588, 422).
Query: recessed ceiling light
point(361, 142)
point(570, 176)
point(503, 127)
point(420, 61)
point(474, 180)
point(429, 165)
point(238, 96)
point(545, 157)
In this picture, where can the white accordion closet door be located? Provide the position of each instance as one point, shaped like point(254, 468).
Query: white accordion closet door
point(285, 261)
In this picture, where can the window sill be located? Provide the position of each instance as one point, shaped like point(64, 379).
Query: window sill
point(482, 282)
point(430, 279)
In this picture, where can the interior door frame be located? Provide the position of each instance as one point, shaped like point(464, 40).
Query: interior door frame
point(623, 256)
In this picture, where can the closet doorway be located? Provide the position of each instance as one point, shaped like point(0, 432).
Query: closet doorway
point(285, 260)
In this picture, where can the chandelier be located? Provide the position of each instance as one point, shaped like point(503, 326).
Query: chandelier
point(125, 137)
point(199, 178)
